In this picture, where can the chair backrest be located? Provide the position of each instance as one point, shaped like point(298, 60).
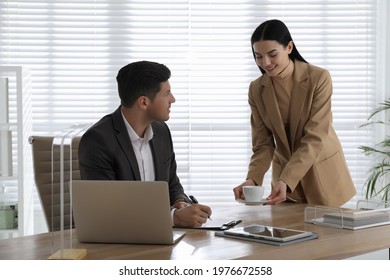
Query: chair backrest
point(48, 183)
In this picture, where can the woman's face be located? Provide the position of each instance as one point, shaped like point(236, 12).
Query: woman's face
point(271, 56)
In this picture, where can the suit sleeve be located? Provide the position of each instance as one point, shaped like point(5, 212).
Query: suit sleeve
point(176, 190)
point(94, 157)
point(316, 132)
point(167, 167)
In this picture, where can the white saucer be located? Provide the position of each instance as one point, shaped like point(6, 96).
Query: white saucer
point(261, 202)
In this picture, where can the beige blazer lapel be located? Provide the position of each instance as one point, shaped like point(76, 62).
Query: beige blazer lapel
point(298, 96)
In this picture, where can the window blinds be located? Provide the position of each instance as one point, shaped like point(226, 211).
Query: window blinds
point(76, 48)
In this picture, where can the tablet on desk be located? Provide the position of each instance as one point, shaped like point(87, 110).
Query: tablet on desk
point(268, 233)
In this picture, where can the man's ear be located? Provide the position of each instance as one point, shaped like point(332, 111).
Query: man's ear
point(143, 102)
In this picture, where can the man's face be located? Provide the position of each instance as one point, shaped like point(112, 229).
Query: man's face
point(158, 109)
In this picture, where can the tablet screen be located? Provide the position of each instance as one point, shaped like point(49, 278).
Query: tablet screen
point(269, 232)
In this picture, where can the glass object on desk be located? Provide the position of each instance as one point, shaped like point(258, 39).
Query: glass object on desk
point(315, 215)
point(64, 159)
point(363, 216)
point(371, 204)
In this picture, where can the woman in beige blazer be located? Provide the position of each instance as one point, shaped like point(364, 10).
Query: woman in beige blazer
point(291, 122)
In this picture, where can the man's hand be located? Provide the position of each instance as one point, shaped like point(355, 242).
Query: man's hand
point(180, 203)
point(193, 215)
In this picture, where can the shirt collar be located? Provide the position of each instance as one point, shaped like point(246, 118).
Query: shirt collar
point(134, 136)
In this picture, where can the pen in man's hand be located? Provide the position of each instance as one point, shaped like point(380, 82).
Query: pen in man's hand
point(193, 200)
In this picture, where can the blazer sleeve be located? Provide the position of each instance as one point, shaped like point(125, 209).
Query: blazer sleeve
point(263, 144)
point(315, 132)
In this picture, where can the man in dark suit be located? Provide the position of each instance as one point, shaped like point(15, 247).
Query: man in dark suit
point(134, 142)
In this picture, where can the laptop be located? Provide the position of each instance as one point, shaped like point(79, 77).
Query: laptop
point(123, 212)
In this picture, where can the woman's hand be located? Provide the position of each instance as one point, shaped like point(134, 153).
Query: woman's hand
point(238, 193)
point(278, 193)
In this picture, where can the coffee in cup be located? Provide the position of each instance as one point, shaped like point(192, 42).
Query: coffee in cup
point(253, 193)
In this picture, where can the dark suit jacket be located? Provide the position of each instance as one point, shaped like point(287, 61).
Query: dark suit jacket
point(106, 153)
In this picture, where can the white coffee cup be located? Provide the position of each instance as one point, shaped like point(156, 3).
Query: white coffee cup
point(253, 193)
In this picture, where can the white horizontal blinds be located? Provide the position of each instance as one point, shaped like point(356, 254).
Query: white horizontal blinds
point(76, 48)
point(342, 38)
point(220, 68)
point(65, 44)
point(339, 36)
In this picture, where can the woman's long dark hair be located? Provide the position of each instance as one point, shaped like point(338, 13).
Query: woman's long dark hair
point(275, 30)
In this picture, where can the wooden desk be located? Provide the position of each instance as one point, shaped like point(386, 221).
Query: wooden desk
point(201, 244)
